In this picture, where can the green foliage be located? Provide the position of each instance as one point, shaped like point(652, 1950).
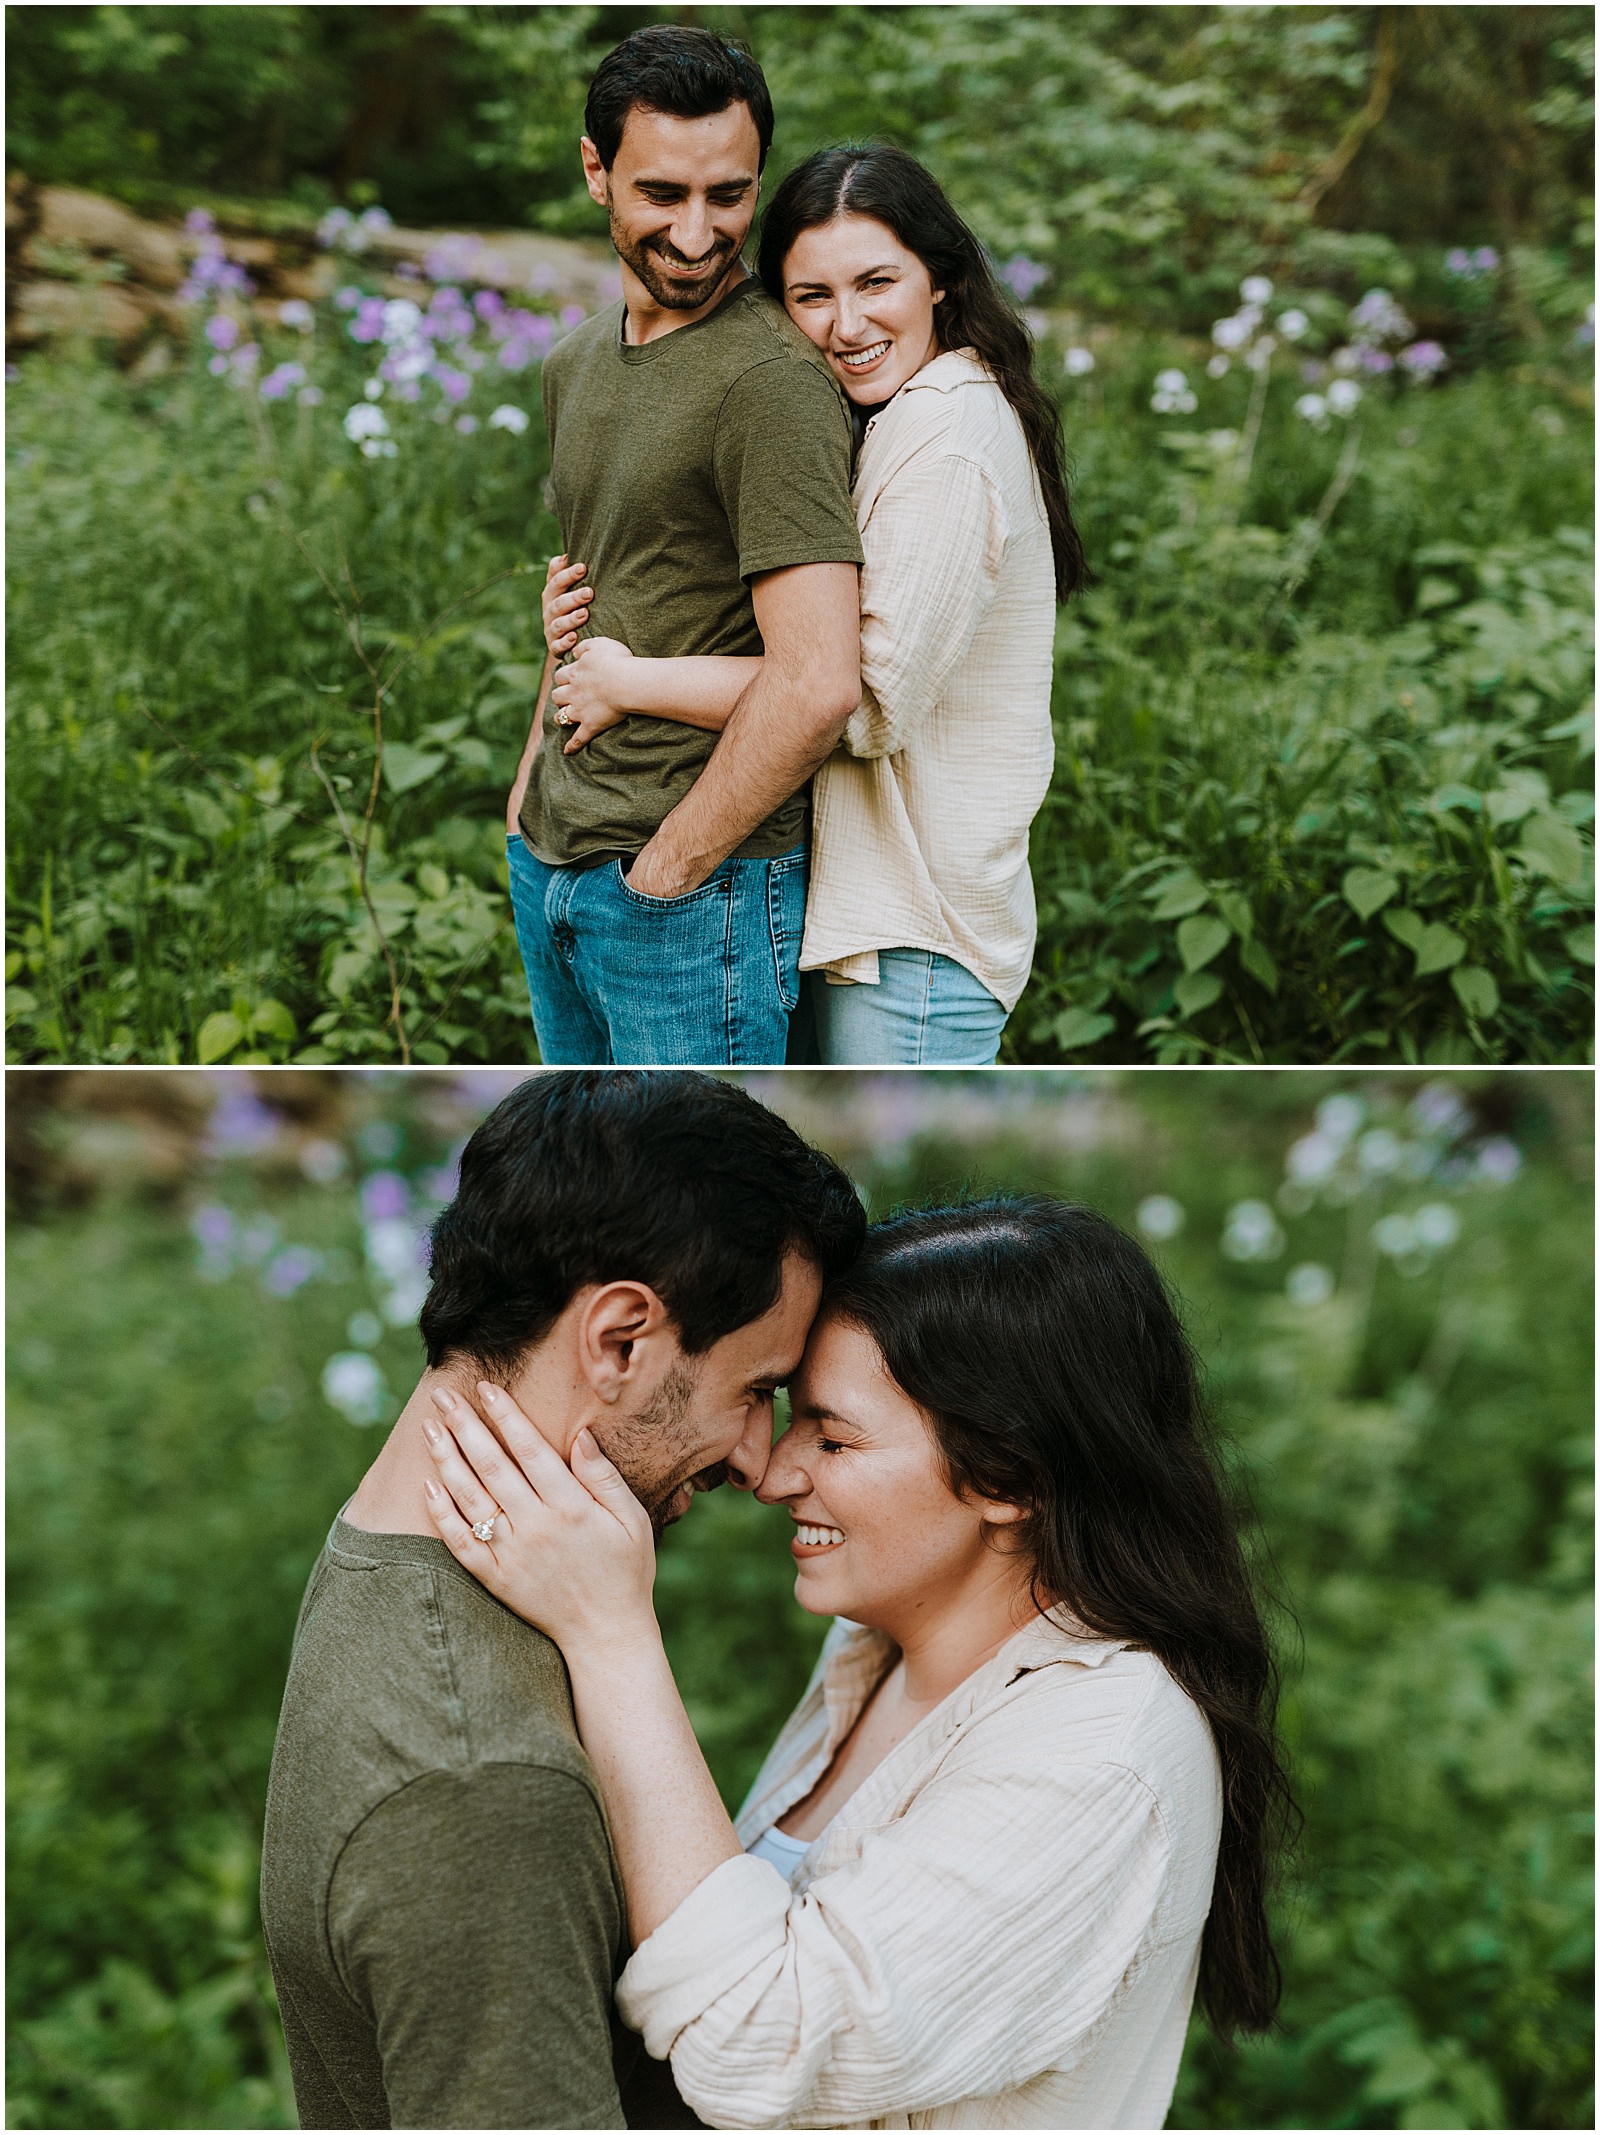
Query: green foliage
point(1411, 1418)
point(1154, 154)
point(1320, 775)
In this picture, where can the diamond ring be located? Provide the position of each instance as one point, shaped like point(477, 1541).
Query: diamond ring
point(484, 1529)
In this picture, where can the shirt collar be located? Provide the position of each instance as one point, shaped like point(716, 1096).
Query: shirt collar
point(953, 367)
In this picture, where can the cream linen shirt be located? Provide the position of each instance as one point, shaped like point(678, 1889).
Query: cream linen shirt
point(920, 825)
point(1000, 1928)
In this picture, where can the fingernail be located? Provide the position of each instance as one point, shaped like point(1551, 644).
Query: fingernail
point(431, 1431)
point(430, 1488)
point(444, 1400)
point(489, 1395)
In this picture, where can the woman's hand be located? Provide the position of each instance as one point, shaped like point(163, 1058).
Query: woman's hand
point(565, 604)
point(590, 692)
point(572, 1550)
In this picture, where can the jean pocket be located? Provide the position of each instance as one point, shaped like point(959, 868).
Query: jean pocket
point(786, 919)
point(702, 894)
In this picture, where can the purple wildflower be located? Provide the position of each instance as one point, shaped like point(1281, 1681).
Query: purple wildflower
point(488, 304)
point(1458, 261)
point(222, 332)
point(279, 383)
point(1423, 359)
point(367, 325)
point(199, 222)
point(455, 385)
point(1486, 259)
point(572, 315)
point(347, 298)
point(290, 1270)
point(385, 1195)
point(1375, 359)
point(1022, 276)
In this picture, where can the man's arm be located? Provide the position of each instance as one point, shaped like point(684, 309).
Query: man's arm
point(475, 1916)
point(785, 724)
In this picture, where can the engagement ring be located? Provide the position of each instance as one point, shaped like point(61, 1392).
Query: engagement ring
point(484, 1529)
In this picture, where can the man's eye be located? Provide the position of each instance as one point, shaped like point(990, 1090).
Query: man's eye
point(830, 1445)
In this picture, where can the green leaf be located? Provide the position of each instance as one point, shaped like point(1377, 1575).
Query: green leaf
point(1438, 948)
point(1436, 593)
point(1177, 894)
point(1580, 944)
point(347, 967)
point(1476, 990)
point(1550, 846)
point(405, 767)
point(1202, 938)
point(219, 1034)
point(1257, 961)
point(1076, 1028)
point(270, 1019)
point(1236, 910)
point(1454, 796)
point(1367, 889)
point(1405, 925)
point(432, 880)
point(1197, 990)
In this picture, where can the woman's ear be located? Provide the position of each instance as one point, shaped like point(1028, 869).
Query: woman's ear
point(996, 1513)
point(619, 1332)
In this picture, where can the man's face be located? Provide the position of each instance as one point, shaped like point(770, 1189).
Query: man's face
point(681, 196)
point(710, 1419)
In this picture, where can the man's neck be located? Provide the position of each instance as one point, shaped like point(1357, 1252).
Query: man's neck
point(389, 1497)
point(647, 320)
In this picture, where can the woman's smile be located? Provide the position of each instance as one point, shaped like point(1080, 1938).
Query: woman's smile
point(862, 360)
point(813, 1538)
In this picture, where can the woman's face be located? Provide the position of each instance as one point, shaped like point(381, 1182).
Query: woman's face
point(853, 288)
point(879, 1535)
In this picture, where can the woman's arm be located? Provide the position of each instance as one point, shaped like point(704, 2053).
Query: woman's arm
point(603, 683)
point(573, 1553)
point(935, 550)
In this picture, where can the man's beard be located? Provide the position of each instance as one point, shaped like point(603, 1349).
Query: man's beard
point(680, 295)
point(649, 1449)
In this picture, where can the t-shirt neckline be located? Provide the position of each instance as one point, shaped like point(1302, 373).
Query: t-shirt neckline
point(647, 351)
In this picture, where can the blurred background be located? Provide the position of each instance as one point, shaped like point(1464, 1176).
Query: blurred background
point(1312, 285)
point(212, 1283)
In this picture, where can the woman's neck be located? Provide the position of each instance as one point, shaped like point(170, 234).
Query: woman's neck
point(945, 1639)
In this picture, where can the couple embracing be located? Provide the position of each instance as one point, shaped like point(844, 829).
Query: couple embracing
point(1024, 1809)
point(776, 803)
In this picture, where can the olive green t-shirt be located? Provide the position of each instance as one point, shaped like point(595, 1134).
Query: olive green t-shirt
point(441, 1904)
point(679, 471)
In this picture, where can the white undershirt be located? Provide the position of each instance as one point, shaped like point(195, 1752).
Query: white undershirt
point(785, 1853)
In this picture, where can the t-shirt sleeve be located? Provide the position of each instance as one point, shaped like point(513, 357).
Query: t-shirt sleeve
point(781, 458)
point(474, 1916)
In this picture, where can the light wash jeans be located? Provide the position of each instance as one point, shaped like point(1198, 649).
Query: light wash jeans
point(925, 1011)
point(623, 980)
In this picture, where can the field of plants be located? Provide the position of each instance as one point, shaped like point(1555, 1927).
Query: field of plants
point(1324, 725)
point(211, 1291)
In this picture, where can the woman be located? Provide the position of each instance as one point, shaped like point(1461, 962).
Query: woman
point(920, 922)
point(1029, 1797)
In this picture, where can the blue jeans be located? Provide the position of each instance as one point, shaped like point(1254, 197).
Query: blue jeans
point(620, 979)
point(925, 1011)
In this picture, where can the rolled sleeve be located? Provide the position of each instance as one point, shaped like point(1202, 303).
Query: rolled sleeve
point(943, 1962)
point(934, 546)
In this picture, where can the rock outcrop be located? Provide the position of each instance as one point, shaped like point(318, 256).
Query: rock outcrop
point(80, 265)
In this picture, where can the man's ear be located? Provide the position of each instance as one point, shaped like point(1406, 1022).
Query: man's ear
point(623, 1333)
point(595, 176)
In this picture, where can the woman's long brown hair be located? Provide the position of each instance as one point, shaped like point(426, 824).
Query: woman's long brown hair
point(893, 188)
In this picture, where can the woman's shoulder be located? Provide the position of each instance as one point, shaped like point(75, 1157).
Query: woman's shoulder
point(1077, 1699)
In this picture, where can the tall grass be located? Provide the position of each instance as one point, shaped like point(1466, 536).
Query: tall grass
point(1320, 790)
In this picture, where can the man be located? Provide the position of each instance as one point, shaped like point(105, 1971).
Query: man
point(641, 1254)
point(700, 468)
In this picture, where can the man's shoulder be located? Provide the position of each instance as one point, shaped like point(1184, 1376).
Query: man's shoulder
point(592, 339)
point(407, 1659)
point(757, 332)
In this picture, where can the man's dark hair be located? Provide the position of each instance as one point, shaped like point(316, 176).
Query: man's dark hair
point(673, 1179)
point(686, 73)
